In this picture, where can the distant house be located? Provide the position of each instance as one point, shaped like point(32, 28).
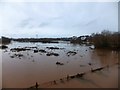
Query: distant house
point(84, 38)
point(74, 38)
point(80, 39)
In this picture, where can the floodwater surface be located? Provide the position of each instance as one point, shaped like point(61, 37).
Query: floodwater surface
point(31, 67)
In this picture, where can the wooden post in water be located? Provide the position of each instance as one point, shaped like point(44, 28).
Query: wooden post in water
point(68, 77)
point(54, 82)
point(36, 85)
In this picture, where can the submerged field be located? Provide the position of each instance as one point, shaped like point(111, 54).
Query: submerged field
point(49, 64)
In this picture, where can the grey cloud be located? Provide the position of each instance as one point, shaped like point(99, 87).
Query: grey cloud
point(91, 22)
point(85, 18)
point(33, 23)
point(25, 23)
point(49, 21)
point(43, 24)
point(84, 24)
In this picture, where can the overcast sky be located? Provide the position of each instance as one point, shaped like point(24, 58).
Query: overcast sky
point(57, 19)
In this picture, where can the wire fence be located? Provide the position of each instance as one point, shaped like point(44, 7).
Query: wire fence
point(69, 77)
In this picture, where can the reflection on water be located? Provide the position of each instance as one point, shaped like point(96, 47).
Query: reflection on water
point(24, 71)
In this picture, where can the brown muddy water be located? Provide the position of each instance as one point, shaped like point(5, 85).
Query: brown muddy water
point(24, 71)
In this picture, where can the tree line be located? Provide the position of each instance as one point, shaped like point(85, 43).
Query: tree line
point(106, 39)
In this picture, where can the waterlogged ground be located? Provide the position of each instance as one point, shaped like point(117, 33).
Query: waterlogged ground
point(22, 69)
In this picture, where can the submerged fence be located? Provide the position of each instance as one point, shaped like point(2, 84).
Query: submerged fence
point(69, 77)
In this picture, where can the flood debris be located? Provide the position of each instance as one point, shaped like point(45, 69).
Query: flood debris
point(41, 50)
point(54, 48)
point(12, 56)
point(52, 54)
point(82, 65)
point(71, 53)
point(18, 49)
point(3, 47)
point(72, 77)
point(81, 56)
point(17, 55)
point(61, 80)
point(5, 51)
point(90, 64)
point(36, 51)
point(59, 63)
point(30, 47)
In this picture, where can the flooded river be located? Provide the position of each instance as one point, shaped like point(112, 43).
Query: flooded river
point(22, 69)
